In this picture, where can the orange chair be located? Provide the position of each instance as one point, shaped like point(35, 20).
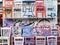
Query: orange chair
point(7, 12)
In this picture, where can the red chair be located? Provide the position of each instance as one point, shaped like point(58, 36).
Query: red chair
point(29, 40)
point(40, 9)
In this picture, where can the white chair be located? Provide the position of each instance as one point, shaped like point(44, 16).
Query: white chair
point(40, 40)
point(18, 40)
point(51, 40)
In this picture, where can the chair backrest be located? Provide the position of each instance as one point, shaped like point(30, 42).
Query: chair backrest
point(18, 40)
point(51, 40)
point(8, 3)
point(40, 40)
